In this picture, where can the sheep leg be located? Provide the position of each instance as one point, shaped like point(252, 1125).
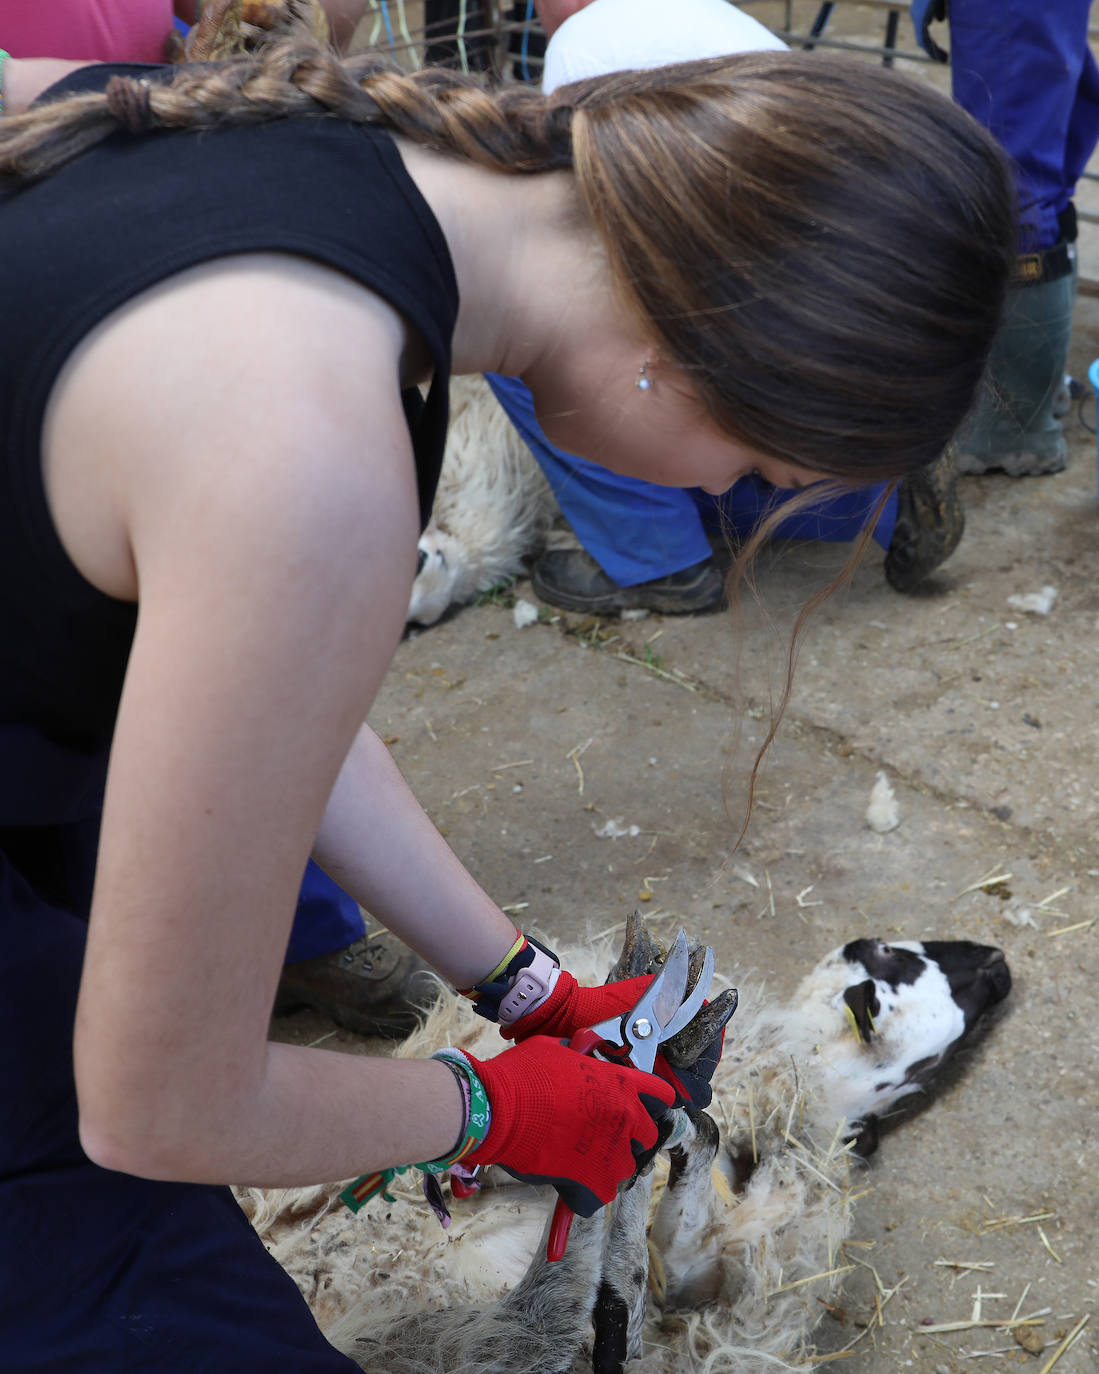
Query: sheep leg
point(540, 1324)
point(685, 1211)
point(620, 1303)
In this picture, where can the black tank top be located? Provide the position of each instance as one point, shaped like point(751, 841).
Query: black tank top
point(78, 245)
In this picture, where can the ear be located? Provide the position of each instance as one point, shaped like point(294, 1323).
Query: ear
point(862, 1006)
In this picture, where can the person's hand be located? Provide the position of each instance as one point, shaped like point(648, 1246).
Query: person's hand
point(559, 1117)
point(570, 1008)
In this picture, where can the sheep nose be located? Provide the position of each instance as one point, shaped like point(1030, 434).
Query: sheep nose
point(996, 974)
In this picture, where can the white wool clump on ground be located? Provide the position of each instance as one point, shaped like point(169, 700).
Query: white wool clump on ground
point(883, 814)
point(1034, 603)
point(524, 614)
point(614, 829)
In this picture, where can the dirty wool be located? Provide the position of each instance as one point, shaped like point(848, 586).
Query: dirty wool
point(720, 1260)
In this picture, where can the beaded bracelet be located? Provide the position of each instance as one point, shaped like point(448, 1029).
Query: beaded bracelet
point(475, 1127)
point(3, 58)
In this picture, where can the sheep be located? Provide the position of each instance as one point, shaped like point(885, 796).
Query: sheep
point(747, 1211)
point(493, 508)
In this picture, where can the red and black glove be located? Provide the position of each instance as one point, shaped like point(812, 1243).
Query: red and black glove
point(570, 1008)
point(569, 1120)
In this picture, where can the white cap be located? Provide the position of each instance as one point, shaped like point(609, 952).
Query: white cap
point(621, 35)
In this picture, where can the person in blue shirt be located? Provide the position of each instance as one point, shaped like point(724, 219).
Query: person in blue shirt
point(645, 546)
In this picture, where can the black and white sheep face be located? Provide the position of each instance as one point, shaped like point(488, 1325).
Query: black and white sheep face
point(885, 1017)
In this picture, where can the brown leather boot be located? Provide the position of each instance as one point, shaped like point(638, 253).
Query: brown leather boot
point(930, 522)
point(573, 580)
point(375, 987)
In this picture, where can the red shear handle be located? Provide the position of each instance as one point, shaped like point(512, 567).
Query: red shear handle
point(564, 1118)
point(585, 1041)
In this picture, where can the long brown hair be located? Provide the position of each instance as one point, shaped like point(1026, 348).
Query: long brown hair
point(824, 245)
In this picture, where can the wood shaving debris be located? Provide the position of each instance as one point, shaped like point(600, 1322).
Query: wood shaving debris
point(574, 754)
point(1069, 1341)
point(1045, 1242)
point(989, 879)
point(677, 678)
point(999, 1223)
point(1067, 930)
point(1004, 1324)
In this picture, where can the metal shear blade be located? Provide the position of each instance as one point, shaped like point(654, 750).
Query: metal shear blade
point(641, 1030)
point(698, 995)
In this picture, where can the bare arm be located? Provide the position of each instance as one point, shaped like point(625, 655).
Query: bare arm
point(272, 529)
point(23, 79)
point(379, 845)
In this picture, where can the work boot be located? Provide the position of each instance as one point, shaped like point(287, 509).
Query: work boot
point(573, 580)
point(376, 986)
point(1015, 426)
point(930, 522)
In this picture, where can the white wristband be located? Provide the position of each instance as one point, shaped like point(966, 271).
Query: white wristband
point(532, 986)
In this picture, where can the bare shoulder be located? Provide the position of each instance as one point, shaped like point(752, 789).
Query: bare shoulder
point(251, 386)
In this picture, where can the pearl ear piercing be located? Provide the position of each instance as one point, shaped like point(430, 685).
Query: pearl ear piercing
point(644, 381)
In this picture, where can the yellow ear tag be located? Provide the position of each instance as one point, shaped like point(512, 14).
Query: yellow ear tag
point(854, 1022)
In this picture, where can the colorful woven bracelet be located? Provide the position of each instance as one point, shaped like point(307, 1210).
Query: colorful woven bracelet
point(3, 58)
point(478, 1119)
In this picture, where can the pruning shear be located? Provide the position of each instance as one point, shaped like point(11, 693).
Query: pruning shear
point(635, 1037)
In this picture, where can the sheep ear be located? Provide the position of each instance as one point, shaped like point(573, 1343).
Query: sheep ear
point(862, 1005)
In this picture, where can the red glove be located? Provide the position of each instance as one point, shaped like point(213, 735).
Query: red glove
point(564, 1118)
point(570, 1008)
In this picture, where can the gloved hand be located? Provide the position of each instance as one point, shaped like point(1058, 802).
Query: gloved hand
point(568, 1119)
point(570, 1008)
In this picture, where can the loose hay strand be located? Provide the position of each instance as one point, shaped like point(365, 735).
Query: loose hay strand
point(1069, 1341)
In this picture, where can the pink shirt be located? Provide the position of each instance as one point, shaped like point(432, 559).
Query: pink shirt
point(86, 30)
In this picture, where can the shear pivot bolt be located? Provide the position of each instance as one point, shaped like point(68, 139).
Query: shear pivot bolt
point(642, 1028)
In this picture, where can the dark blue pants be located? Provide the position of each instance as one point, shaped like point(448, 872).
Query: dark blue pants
point(1023, 68)
point(102, 1273)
